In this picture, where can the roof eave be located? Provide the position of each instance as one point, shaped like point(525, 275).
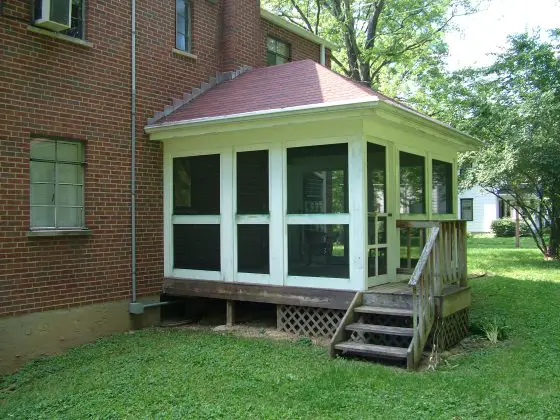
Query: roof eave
point(260, 115)
point(467, 141)
point(278, 21)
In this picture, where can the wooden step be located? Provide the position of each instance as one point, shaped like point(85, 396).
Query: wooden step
point(380, 329)
point(383, 310)
point(372, 350)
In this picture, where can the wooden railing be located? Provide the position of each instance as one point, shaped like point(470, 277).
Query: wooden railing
point(442, 262)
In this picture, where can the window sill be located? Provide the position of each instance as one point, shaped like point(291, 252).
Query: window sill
point(59, 232)
point(184, 53)
point(61, 37)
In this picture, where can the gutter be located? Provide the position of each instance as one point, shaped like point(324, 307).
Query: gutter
point(276, 112)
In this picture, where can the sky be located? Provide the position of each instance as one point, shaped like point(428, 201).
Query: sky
point(486, 31)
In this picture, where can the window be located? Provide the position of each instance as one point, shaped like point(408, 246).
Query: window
point(77, 18)
point(277, 52)
point(318, 236)
point(412, 181)
point(442, 187)
point(467, 209)
point(57, 184)
point(183, 25)
point(196, 212)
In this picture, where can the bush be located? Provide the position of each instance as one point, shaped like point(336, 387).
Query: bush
point(505, 228)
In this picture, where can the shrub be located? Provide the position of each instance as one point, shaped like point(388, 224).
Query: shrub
point(495, 330)
point(505, 228)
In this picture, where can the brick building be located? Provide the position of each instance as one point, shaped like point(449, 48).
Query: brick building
point(66, 145)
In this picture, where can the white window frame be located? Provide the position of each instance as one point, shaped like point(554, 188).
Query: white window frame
point(170, 219)
point(354, 218)
point(453, 198)
point(427, 183)
point(253, 219)
point(278, 219)
point(56, 162)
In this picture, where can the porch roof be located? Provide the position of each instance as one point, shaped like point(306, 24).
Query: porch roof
point(298, 85)
point(283, 86)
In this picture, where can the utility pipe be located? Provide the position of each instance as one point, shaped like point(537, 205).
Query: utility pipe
point(133, 149)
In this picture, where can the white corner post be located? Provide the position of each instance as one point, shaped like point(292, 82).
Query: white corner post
point(357, 154)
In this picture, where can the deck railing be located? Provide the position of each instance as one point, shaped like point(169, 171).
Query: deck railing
point(442, 262)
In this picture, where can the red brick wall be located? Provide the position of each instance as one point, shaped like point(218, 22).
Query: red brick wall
point(52, 88)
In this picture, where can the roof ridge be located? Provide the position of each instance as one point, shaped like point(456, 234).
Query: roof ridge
point(197, 91)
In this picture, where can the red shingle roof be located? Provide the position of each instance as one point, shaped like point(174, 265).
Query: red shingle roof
point(284, 86)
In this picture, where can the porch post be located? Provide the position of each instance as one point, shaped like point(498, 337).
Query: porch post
point(357, 189)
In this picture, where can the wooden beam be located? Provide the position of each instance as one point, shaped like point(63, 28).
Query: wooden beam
point(283, 295)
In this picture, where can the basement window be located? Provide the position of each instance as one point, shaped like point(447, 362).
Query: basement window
point(57, 184)
point(277, 52)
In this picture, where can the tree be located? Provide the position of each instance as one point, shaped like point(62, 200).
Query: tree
point(385, 42)
point(514, 107)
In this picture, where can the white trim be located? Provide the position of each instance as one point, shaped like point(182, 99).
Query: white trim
point(195, 219)
point(357, 197)
point(228, 234)
point(252, 278)
point(167, 213)
point(252, 219)
point(247, 116)
point(276, 205)
point(318, 219)
point(321, 282)
point(278, 21)
point(182, 273)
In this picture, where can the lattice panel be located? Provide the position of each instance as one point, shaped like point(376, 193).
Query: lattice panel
point(311, 322)
point(452, 329)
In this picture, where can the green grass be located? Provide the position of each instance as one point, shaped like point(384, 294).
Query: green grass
point(188, 374)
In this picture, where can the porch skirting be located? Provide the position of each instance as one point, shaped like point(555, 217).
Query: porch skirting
point(309, 321)
point(448, 331)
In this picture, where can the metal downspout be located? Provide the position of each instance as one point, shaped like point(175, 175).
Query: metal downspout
point(133, 149)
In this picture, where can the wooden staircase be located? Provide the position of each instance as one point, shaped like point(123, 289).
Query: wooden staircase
point(394, 321)
point(378, 327)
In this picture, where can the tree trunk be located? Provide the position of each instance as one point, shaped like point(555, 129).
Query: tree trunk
point(553, 248)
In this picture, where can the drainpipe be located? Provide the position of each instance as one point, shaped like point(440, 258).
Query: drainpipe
point(322, 58)
point(135, 307)
point(133, 149)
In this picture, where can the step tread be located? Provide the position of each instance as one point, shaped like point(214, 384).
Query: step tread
point(383, 310)
point(380, 329)
point(372, 349)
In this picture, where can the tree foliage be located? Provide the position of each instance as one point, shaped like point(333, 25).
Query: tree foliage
point(514, 107)
point(383, 42)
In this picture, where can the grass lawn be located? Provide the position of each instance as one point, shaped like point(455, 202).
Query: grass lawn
point(187, 374)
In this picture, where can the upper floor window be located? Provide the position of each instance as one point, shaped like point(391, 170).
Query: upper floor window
point(54, 14)
point(77, 20)
point(183, 25)
point(57, 184)
point(277, 52)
